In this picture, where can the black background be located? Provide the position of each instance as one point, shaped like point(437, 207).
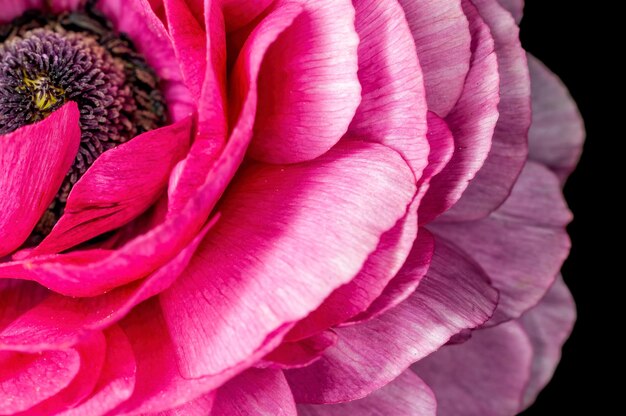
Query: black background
point(574, 39)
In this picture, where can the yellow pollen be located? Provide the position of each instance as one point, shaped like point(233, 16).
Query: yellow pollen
point(45, 95)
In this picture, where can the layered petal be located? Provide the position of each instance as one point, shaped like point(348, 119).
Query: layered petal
point(556, 136)
point(484, 376)
point(255, 392)
point(522, 245)
point(454, 295)
point(269, 216)
point(34, 160)
point(300, 353)
point(308, 85)
point(515, 7)
point(407, 395)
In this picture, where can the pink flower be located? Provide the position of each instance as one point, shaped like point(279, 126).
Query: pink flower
point(316, 207)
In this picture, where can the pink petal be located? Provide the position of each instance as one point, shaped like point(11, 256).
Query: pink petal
point(14, 8)
point(442, 38)
point(34, 160)
point(300, 353)
point(308, 85)
point(393, 107)
point(238, 13)
point(472, 122)
point(548, 325)
point(28, 379)
point(92, 353)
point(269, 216)
point(454, 295)
point(117, 379)
point(255, 392)
point(406, 280)
point(557, 133)
point(118, 187)
point(515, 7)
point(509, 148)
point(522, 245)
point(18, 297)
point(407, 395)
point(199, 407)
point(483, 376)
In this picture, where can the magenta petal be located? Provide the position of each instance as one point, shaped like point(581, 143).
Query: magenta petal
point(522, 245)
point(442, 38)
point(238, 13)
point(33, 163)
point(454, 295)
point(117, 379)
point(268, 217)
point(472, 122)
point(118, 187)
point(300, 353)
point(515, 7)
point(393, 108)
point(407, 395)
point(557, 133)
point(255, 392)
point(485, 375)
point(13, 8)
point(308, 85)
point(18, 297)
point(198, 407)
point(509, 148)
point(548, 325)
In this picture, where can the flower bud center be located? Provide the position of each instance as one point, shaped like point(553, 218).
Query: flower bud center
point(47, 60)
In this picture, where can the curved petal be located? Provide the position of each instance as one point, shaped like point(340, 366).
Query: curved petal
point(548, 325)
point(308, 85)
point(14, 8)
point(442, 37)
point(18, 297)
point(484, 376)
point(453, 296)
point(255, 392)
point(238, 13)
point(268, 217)
point(472, 122)
point(509, 148)
point(407, 395)
point(557, 133)
point(515, 7)
point(522, 245)
point(120, 185)
point(34, 160)
point(300, 353)
point(198, 407)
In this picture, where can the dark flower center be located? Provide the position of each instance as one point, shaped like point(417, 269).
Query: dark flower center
point(47, 60)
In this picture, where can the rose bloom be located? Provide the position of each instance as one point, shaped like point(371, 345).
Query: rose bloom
point(315, 207)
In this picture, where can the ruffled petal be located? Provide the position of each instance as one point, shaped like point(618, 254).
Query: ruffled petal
point(522, 245)
point(509, 148)
point(34, 160)
point(443, 39)
point(268, 217)
point(455, 295)
point(255, 392)
point(407, 395)
point(557, 133)
point(548, 325)
point(484, 376)
point(308, 85)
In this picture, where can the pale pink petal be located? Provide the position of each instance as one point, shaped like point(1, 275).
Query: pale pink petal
point(299, 353)
point(28, 379)
point(406, 280)
point(393, 107)
point(92, 353)
point(548, 325)
point(509, 148)
point(199, 407)
point(442, 37)
point(407, 395)
point(557, 133)
point(484, 376)
point(308, 85)
point(269, 216)
point(117, 379)
point(472, 122)
point(515, 7)
point(255, 392)
point(34, 160)
point(454, 295)
point(522, 245)
point(14, 8)
point(120, 185)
